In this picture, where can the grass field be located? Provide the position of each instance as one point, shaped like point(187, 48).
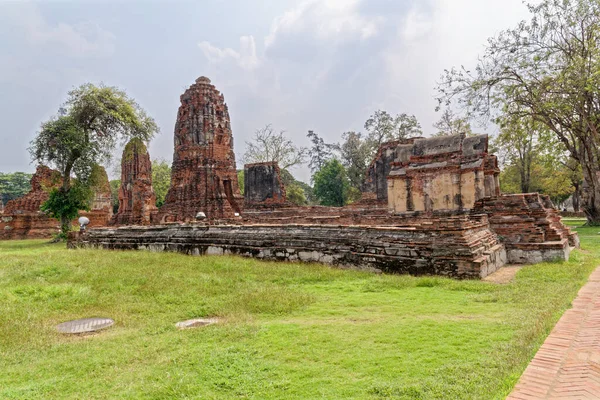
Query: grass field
point(288, 331)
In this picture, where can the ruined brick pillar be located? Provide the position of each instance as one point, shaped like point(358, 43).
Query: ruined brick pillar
point(263, 185)
point(137, 200)
point(204, 176)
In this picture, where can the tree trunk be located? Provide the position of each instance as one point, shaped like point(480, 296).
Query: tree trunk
point(591, 194)
point(577, 197)
point(65, 226)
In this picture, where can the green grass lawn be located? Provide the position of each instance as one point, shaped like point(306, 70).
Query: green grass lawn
point(289, 331)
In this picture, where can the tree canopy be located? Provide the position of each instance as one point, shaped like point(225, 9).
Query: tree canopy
point(83, 134)
point(331, 184)
point(267, 145)
point(545, 69)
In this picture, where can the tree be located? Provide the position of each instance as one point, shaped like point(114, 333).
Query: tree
point(14, 185)
point(521, 143)
point(320, 152)
point(297, 192)
point(545, 69)
point(356, 154)
point(161, 180)
point(380, 127)
point(451, 124)
point(407, 126)
point(331, 184)
point(269, 146)
point(83, 134)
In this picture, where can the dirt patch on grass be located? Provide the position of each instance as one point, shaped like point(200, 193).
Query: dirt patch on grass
point(504, 275)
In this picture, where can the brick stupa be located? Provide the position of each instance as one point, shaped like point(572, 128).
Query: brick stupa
point(203, 177)
point(137, 201)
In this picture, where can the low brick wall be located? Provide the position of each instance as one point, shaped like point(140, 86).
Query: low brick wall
point(465, 248)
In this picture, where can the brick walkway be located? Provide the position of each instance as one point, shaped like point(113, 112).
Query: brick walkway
point(567, 366)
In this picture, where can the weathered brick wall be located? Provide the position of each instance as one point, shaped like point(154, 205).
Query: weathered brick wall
point(204, 176)
point(456, 246)
point(442, 173)
point(22, 218)
point(263, 185)
point(43, 180)
point(137, 201)
point(529, 226)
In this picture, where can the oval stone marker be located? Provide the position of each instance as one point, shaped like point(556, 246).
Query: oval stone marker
point(85, 325)
point(195, 323)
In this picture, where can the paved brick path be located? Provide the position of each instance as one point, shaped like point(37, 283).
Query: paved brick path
point(567, 366)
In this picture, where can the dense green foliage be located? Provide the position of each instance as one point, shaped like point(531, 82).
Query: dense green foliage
point(532, 160)
point(83, 134)
point(546, 70)
point(288, 331)
point(161, 180)
point(14, 185)
point(331, 184)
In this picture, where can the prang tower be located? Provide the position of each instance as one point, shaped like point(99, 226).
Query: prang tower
point(204, 176)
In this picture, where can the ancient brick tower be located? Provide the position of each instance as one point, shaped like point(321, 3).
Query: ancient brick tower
point(204, 177)
point(137, 201)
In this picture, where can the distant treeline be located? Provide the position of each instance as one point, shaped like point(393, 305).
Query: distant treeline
point(14, 185)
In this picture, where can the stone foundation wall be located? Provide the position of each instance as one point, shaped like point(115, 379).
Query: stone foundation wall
point(457, 246)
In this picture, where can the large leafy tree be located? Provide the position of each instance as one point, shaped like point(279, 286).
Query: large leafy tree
point(161, 180)
point(267, 145)
point(319, 153)
point(451, 124)
point(356, 155)
point(545, 69)
point(407, 126)
point(521, 143)
point(84, 133)
point(381, 127)
point(331, 184)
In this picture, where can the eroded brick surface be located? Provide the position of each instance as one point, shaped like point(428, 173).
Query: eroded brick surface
point(263, 185)
point(455, 246)
point(442, 173)
point(137, 201)
point(204, 177)
point(23, 219)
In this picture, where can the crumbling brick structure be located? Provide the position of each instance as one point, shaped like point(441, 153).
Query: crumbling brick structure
point(375, 185)
point(43, 180)
point(529, 226)
point(431, 206)
point(23, 219)
point(204, 177)
point(101, 210)
point(444, 173)
point(263, 185)
point(137, 201)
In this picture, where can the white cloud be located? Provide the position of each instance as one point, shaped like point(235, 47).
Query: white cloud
point(80, 40)
point(336, 20)
point(245, 58)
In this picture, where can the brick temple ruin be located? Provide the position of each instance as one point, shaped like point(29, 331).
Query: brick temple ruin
point(429, 206)
point(23, 219)
point(137, 201)
point(204, 175)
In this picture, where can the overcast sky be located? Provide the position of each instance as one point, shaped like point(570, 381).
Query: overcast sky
point(322, 65)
